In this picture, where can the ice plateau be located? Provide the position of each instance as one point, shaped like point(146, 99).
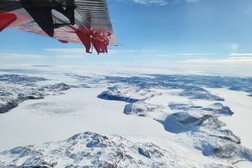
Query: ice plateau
point(181, 104)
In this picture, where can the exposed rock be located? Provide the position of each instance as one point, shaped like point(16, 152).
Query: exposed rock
point(182, 122)
point(8, 106)
point(93, 150)
point(218, 108)
point(144, 152)
point(25, 88)
point(107, 95)
point(55, 87)
point(214, 109)
point(200, 95)
point(178, 106)
point(227, 151)
point(139, 108)
point(19, 79)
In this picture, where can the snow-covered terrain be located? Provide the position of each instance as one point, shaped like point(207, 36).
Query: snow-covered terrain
point(94, 150)
point(144, 120)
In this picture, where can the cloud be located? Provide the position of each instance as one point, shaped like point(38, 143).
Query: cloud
point(228, 60)
point(151, 2)
point(136, 51)
point(195, 54)
point(81, 53)
point(66, 50)
point(192, 1)
point(70, 56)
point(111, 52)
point(162, 2)
point(241, 54)
point(164, 55)
point(19, 56)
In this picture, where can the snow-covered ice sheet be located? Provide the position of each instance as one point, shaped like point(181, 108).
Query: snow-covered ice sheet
point(58, 117)
point(178, 113)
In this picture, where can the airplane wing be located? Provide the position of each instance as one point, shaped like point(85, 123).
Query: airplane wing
point(79, 21)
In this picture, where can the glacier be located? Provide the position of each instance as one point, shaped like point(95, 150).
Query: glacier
point(143, 120)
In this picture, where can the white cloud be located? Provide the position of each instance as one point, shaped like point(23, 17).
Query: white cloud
point(241, 54)
point(147, 2)
point(82, 51)
point(66, 50)
point(162, 2)
point(195, 54)
point(134, 51)
point(192, 1)
point(228, 60)
point(19, 56)
point(164, 55)
point(70, 56)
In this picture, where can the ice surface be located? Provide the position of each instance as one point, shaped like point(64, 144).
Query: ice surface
point(185, 114)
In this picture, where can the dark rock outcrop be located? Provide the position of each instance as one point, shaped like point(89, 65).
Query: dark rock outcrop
point(107, 95)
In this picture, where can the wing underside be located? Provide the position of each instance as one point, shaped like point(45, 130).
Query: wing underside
point(78, 21)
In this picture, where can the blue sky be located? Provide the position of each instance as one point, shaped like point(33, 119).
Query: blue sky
point(153, 30)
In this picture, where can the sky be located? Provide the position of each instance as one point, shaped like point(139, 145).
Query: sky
point(202, 31)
